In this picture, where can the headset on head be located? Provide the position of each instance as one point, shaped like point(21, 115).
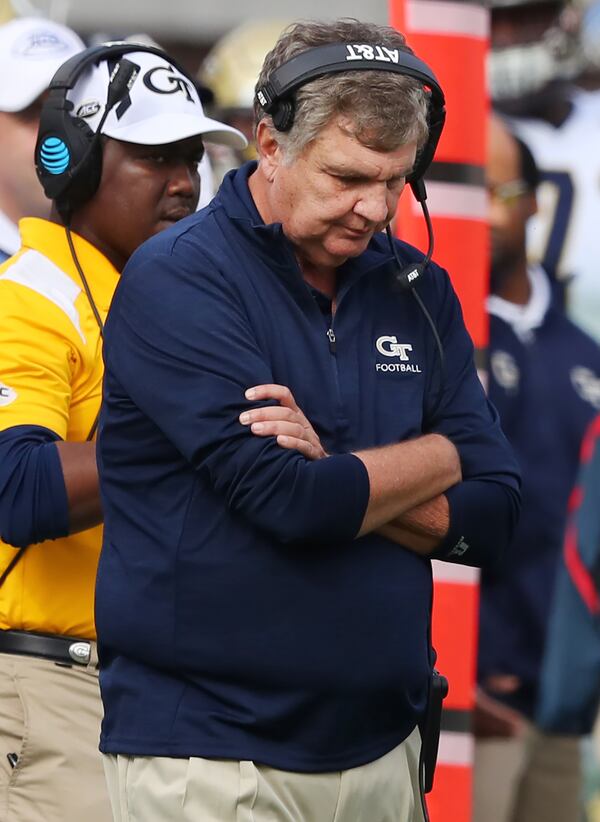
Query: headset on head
point(68, 153)
point(277, 98)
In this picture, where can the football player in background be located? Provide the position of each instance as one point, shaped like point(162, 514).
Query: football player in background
point(230, 70)
point(536, 58)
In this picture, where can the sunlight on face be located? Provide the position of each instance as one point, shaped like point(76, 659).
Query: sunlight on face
point(338, 193)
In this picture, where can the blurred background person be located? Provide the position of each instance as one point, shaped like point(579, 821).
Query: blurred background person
point(570, 682)
point(230, 70)
point(31, 49)
point(540, 364)
point(536, 65)
point(588, 80)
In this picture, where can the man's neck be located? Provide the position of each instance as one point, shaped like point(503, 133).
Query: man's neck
point(322, 278)
point(515, 287)
point(81, 228)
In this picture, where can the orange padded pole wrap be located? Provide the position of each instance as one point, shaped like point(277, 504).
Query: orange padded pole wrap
point(452, 38)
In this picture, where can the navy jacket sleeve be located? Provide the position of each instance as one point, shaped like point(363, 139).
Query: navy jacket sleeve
point(188, 371)
point(484, 507)
point(33, 497)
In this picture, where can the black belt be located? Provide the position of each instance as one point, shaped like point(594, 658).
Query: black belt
point(48, 646)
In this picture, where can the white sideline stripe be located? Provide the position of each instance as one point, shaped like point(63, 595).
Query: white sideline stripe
point(456, 749)
point(433, 17)
point(35, 271)
point(450, 572)
point(455, 200)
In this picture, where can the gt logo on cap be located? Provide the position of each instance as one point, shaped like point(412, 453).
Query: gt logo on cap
point(175, 82)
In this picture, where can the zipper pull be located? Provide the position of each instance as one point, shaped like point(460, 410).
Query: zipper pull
point(331, 338)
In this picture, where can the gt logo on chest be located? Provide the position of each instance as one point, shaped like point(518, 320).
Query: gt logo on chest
point(390, 347)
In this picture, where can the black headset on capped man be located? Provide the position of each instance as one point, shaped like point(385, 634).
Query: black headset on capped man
point(276, 97)
point(68, 153)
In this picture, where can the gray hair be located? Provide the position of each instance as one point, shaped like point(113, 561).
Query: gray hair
point(385, 110)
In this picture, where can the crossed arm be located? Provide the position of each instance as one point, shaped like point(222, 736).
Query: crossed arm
point(407, 480)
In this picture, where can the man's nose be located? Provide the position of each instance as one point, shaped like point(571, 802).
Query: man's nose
point(372, 204)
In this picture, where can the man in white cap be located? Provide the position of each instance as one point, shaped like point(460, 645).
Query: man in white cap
point(120, 137)
point(31, 49)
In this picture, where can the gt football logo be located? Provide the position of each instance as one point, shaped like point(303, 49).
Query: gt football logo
point(390, 347)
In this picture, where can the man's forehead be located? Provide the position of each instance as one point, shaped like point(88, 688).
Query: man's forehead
point(340, 152)
point(176, 147)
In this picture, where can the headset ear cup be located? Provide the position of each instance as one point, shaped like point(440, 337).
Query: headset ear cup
point(283, 115)
point(68, 160)
point(63, 142)
point(436, 120)
point(85, 182)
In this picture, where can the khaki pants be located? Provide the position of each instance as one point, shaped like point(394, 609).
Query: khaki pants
point(531, 778)
point(50, 719)
point(160, 789)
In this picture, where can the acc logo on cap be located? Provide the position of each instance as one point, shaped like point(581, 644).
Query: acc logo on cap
point(88, 109)
point(174, 82)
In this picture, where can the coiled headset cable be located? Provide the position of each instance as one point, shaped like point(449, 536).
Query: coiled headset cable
point(93, 306)
point(407, 278)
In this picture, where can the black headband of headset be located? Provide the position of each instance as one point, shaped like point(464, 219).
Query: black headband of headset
point(339, 57)
point(276, 96)
point(67, 75)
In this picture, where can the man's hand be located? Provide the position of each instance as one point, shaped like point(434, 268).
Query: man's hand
point(285, 421)
point(492, 718)
point(421, 529)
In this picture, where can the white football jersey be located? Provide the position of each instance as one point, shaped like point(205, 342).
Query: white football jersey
point(564, 236)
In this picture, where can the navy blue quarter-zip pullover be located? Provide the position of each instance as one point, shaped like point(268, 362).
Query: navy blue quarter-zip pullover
point(238, 615)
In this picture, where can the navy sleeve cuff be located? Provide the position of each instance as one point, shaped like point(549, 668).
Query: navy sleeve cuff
point(483, 516)
point(347, 478)
point(33, 497)
point(332, 506)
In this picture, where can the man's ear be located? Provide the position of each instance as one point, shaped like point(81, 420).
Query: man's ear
point(531, 204)
point(269, 150)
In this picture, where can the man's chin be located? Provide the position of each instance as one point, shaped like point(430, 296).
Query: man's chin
point(332, 254)
point(343, 249)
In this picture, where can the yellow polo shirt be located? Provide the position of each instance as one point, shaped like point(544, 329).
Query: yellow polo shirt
point(51, 375)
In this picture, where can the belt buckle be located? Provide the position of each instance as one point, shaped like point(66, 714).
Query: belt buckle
point(80, 652)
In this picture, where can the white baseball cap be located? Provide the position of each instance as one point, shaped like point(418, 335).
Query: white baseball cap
point(31, 49)
point(161, 106)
